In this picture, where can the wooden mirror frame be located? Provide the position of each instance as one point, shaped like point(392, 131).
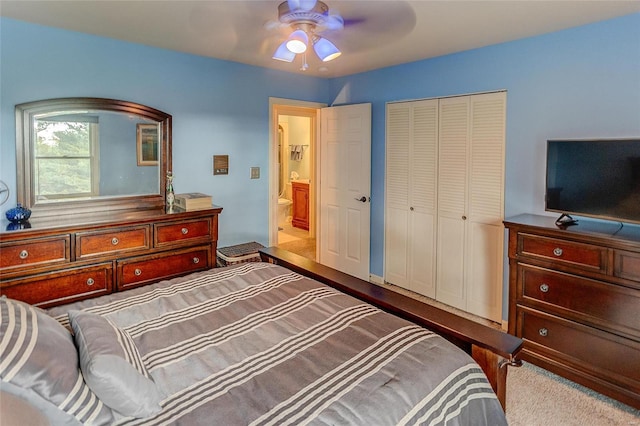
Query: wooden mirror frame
point(24, 148)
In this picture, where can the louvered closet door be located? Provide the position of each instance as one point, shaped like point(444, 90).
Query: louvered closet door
point(422, 189)
point(486, 205)
point(471, 203)
point(452, 200)
point(412, 137)
point(396, 237)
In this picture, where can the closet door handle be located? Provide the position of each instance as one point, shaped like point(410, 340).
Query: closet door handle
point(362, 199)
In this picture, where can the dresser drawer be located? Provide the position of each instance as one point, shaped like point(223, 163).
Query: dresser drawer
point(598, 353)
point(29, 253)
point(187, 231)
point(61, 287)
point(598, 303)
point(145, 269)
point(583, 256)
point(627, 265)
point(111, 241)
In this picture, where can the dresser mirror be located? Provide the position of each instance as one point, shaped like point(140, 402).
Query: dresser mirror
point(88, 155)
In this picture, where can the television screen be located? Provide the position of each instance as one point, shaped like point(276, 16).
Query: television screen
point(596, 178)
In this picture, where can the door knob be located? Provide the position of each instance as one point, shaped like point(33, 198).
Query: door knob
point(362, 199)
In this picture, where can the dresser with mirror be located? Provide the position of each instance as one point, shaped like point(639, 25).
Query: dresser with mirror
point(93, 172)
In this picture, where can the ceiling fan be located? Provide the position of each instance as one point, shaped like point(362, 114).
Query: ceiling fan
point(307, 19)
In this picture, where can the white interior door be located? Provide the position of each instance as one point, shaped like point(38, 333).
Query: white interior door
point(345, 188)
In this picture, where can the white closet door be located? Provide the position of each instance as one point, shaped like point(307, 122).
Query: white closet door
point(486, 205)
point(452, 200)
point(445, 200)
point(396, 268)
point(412, 139)
point(422, 211)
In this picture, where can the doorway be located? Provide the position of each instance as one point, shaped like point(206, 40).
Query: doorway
point(293, 176)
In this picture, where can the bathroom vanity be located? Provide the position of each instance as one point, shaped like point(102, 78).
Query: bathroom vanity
point(300, 196)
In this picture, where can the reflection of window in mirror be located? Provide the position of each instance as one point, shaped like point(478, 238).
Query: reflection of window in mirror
point(65, 157)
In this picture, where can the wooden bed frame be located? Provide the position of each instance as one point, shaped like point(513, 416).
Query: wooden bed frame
point(492, 349)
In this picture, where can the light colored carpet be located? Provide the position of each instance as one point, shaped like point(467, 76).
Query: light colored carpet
point(536, 397)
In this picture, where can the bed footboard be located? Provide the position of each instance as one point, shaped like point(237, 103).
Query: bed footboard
point(492, 349)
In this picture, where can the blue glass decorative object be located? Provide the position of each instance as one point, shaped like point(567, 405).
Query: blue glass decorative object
point(18, 214)
point(14, 226)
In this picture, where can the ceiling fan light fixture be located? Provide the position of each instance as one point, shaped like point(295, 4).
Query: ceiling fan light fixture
point(297, 41)
point(283, 54)
point(325, 50)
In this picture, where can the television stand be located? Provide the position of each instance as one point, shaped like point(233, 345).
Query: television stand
point(574, 298)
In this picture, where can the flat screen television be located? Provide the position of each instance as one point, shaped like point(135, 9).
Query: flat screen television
point(594, 178)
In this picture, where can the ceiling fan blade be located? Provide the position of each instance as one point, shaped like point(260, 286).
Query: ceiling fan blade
point(334, 21)
point(273, 24)
point(301, 4)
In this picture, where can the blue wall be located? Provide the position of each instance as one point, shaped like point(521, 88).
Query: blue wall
point(578, 83)
point(218, 107)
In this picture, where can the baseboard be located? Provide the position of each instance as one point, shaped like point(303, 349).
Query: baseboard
point(376, 279)
point(505, 325)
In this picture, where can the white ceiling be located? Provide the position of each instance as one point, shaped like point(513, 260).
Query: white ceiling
point(377, 33)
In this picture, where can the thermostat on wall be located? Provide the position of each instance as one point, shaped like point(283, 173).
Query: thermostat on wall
point(220, 164)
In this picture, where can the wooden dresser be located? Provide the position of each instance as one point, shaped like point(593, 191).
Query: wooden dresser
point(574, 298)
point(61, 260)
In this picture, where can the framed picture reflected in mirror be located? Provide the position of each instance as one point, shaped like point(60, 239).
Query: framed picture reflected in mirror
point(147, 144)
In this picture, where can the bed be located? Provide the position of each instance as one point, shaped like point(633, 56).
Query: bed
point(284, 341)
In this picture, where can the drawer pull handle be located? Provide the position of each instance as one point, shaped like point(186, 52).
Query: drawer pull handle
point(184, 231)
point(91, 281)
point(557, 251)
point(196, 260)
point(115, 241)
point(544, 288)
point(543, 332)
point(137, 272)
point(24, 254)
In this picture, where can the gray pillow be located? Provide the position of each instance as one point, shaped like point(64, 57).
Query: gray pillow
point(112, 366)
point(39, 363)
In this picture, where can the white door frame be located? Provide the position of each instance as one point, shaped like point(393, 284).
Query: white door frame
point(276, 106)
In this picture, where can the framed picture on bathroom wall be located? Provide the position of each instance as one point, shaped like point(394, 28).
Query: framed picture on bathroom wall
point(147, 144)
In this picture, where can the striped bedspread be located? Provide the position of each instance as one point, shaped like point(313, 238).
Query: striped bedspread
point(257, 344)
